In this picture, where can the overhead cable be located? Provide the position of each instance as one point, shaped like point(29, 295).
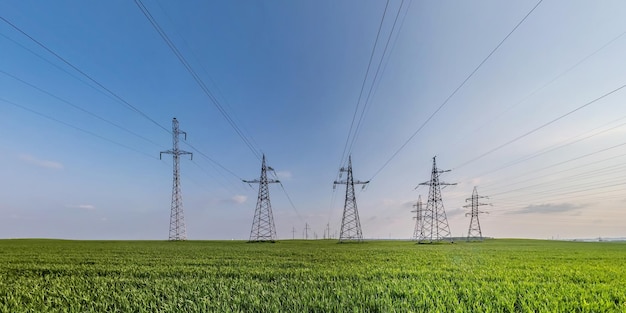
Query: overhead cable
point(197, 78)
point(130, 106)
point(542, 126)
point(454, 92)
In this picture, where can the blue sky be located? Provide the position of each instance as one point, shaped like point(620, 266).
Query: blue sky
point(289, 73)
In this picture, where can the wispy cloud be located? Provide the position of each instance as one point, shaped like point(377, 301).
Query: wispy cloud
point(88, 207)
point(236, 199)
point(547, 208)
point(239, 199)
point(39, 162)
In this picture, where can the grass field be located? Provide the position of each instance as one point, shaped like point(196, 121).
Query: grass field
point(311, 276)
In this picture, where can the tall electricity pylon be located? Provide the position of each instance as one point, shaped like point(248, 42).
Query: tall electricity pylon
point(474, 232)
point(177, 219)
point(350, 223)
point(419, 219)
point(435, 223)
point(263, 228)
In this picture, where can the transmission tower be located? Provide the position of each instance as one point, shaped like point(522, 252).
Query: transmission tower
point(474, 232)
point(350, 223)
point(327, 231)
point(419, 220)
point(177, 219)
point(434, 221)
point(263, 228)
point(306, 231)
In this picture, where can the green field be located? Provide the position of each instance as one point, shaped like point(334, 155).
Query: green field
point(311, 276)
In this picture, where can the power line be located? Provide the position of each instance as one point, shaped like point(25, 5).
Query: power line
point(82, 109)
point(589, 185)
point(117, 125)
point(568, 179)
point(357, 131)
point(110, 93)
point(562, 171)
point(75, 127)
point(213, 161)
point(605, 173)
point(215, 165)
point(369, 94)
point(224, 100)
point(455, 91)
point(106, 121)
point(581, 157)
point(358, 102)
point(167, 40)
point(556, 147)
point(212, 176)
point(98, 117)
point(291, 202)
point(60, 68)
point(293, 206)
point(197, 78)
point(541, 126)
point(534, 92)
point(559, 183)
point(130, 106)
point(569, 193)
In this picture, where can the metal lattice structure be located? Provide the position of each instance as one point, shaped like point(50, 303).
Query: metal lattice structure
point(177, 218)
point(419, 218)
point(474, 233)
point(306, 231)
point(435, 222)
point(350, 223)
point(263, 228)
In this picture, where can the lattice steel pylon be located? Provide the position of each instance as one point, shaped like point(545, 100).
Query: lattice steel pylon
point(263, 228)
point(474, 233)
point(435, 222)
point(177, 218)
point(419, 219)
point(350, 223)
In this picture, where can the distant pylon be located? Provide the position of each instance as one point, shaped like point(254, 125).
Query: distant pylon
point(263, 228)
point(474, 232)
point(177, 219)
point(306, 231)
point(419, 218)
point(327, 231)
point(435, 223)
point(350, 223)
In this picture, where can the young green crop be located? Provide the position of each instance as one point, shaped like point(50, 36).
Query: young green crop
point(311, 276)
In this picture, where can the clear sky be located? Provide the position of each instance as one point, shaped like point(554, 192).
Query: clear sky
point(80, 159)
